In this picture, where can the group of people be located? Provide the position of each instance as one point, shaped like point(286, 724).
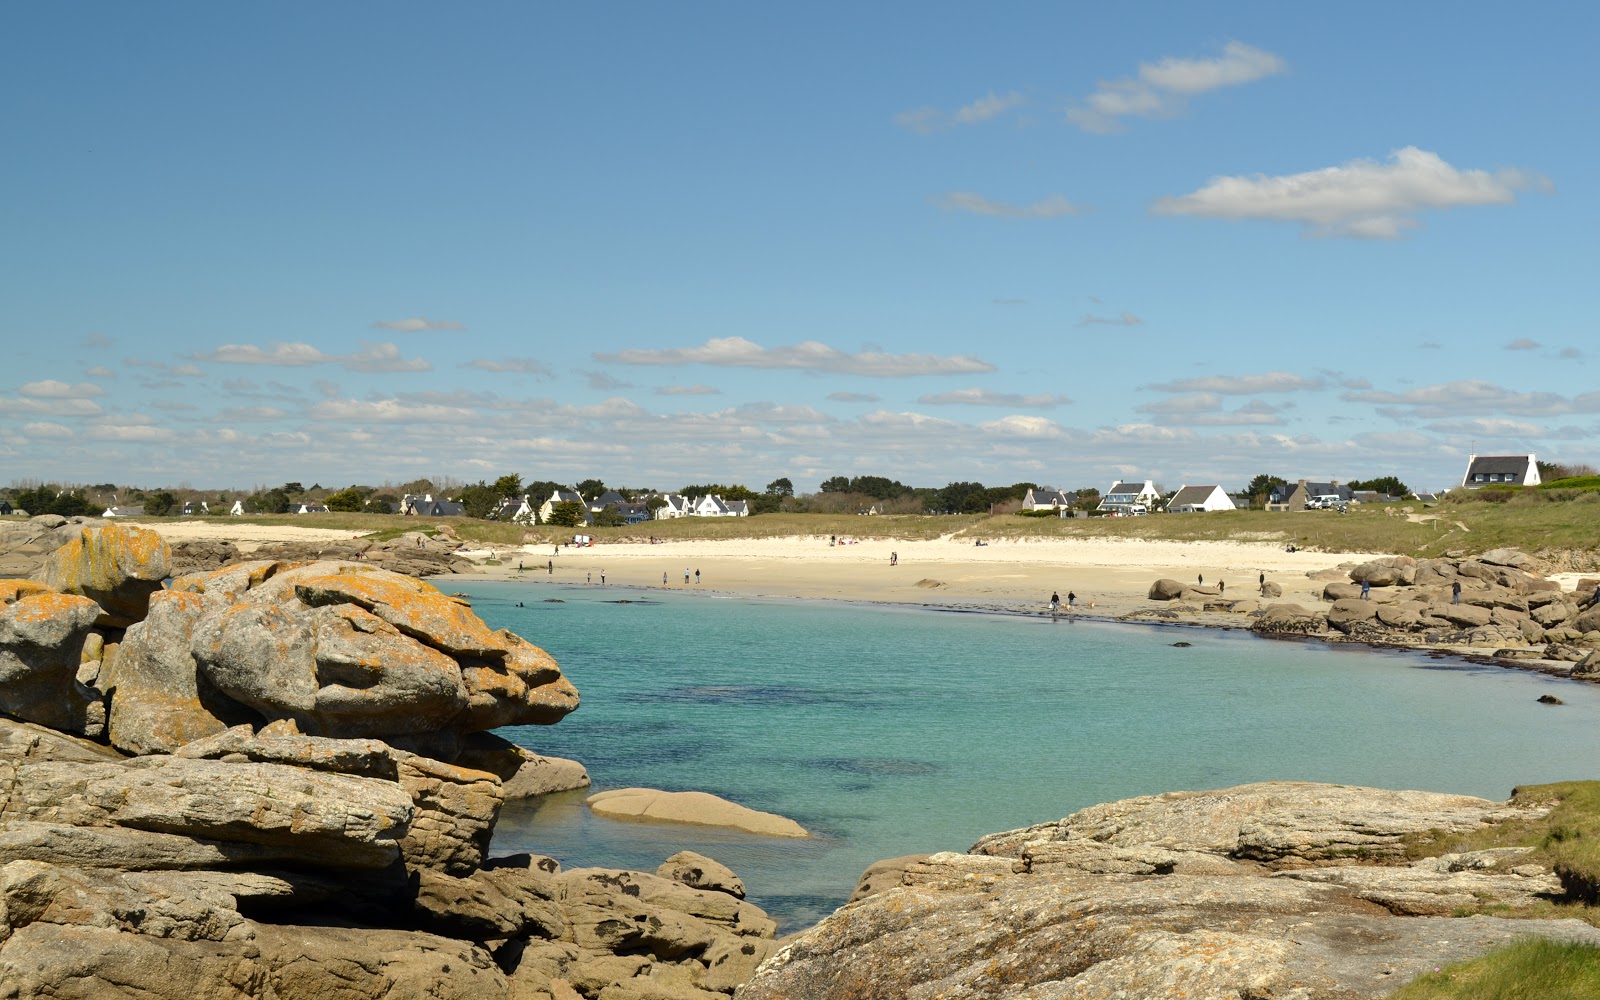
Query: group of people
point(685, 577)
point(1055, 601)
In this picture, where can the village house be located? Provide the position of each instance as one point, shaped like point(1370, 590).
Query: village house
point(194, 508)
point(115, 511)
point(6, 508)
point(676, 505)
point(713, 506)
point(1296, 496)
point(426, 506)
point(237, 510)
point(610, 498)
point(516, 510)
point(1129, 497)
point(1507, 470)
point(1199, 500)
point(559, 496)
point(309, 507)
point(1045, 498)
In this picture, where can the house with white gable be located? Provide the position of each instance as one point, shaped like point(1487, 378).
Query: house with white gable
point(1045, 498)
point(676, 505)
point(559, 496)
point(516, 510)
point(1127, 497)
point(1199, 500)
point(1505, 470)
point(193, 508)
point(710, 506)
point(309, 507)
point(237, 510)
point(124, 511)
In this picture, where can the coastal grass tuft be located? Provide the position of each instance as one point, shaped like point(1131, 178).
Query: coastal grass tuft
point(1566, 839)
point(1534, 969)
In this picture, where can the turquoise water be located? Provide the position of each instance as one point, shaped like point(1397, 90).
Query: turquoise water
point(891, 730)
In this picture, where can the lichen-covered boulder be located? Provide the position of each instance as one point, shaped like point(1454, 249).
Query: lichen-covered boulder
point(42, 638)
point(116, 566)
point(157, 705)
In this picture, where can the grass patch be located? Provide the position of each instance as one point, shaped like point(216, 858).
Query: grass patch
point(1535, 969)
point(1566, 840)
point(1573, 483)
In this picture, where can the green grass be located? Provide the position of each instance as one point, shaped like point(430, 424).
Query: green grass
point(1566, 840)
point(1573, 483)
point(1535, 969)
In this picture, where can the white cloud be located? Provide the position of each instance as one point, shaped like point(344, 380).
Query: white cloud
point(810, 355)
point(987, 397)
point(1204, 409)
point(1473, 398)
point(927, 120)
point(520, 366)
point(100, 371)
point(1125, 319)
point(46, 430)
point(133, 434)
point(1360, 199)
point(388, 411)
point(1243, 385)
point(417, 324)
point(774, 413)
point(291, 355)
point(687, 390)
point(854, 397)
point(1489, 427)
point(1023, 427)
point(186, 371)
point(50, 407)
point(243, 413)
point(976, 204)
point(1161, 89)
point(603, 381)
point(1523, 344)
point(97, 341)
point(383, 358)
point(51, 389)
point(1198, 402)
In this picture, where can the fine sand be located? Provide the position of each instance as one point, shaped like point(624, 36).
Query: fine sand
point(1109, 576)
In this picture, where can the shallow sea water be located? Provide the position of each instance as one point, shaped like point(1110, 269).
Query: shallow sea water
point(891, 730)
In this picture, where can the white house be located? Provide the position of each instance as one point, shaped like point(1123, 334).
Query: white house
point(1199, 500)
point(1124, 496)
point(709, 506)
point(1512, 470)
point(237, 510)
point(559, 496)
point(1045, 498)
point(309, 507)
point(124, 512)
point(517, 510)
point(677, 505)
point(192, 508)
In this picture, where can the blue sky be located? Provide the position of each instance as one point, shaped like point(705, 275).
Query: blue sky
point(668, 244)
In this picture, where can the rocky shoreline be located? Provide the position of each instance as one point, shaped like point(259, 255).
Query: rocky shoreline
point(275, 780)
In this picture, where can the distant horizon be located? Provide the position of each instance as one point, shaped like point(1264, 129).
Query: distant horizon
point(1052, 243)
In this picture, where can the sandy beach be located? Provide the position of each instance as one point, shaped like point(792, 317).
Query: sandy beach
point(1109, 576)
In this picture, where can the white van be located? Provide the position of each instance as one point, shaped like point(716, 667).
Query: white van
point(1327, 501)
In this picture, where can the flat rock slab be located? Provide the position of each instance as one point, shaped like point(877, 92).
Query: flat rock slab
point(701, 808)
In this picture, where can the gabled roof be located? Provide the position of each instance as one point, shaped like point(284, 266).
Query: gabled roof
point(137, 511)
point(5, 507)
point(608, 498)
point(1191, 495)
point(565, 496)
point(737, 506)
point(1516, 465)
point(437, 508)
point(1044, 495)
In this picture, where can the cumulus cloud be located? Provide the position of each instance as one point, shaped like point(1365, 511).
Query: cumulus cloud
point(51, 389)
point(810, 355)
point(1488, 427)
point(1473, 397)
point(52, 407)
point(603, 381)
point(417, 324)
point(987, 397)
point(1205, 409)
point(136, 433)
point(1523, 344)
point(519, 366)
point(854, 397)
point(1243, 385)
point(1360, 199)
point(1125, 319)
point(388, 411)
point(379, 358)
point(976, 204)
point(46, 430)
point(1162, 89)
point(250, 413)
point(100, 371)
point(1021, 426)
point(686, 390)
point(927, 120)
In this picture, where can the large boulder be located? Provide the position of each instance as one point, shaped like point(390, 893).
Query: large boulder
point(1346, 614)
point(116, 566)
point(1385, 573)
point(1167, 590)
point(156, 705)
point(42, 639)
point(1288, 619)
point(699, 808)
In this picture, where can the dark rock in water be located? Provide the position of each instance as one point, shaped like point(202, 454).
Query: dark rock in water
point(1550, 699)
point(1182, 645)
point(554, 600)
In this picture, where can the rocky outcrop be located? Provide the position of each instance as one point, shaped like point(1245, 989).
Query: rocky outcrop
point(1278, 889)
point(246, 833)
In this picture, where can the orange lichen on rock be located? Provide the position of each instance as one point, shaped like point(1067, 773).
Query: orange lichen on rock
point(12, 591)
point(412, 606)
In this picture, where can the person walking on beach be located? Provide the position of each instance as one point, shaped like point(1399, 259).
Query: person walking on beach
point(1263, 580)
point(602, 578)
point(1366, 590)
point(1072, 599)
point(588, 578)
point(686, 576)
point(1455, 592)
point(551, 566)
point(663, 578)
point(1202, 578)
point(1222, 585)
point(697, 578)
point(1055, 603)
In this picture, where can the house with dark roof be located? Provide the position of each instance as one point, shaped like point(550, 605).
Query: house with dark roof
point(194, 508)
point(1504, 470)
point(1128, 497)
point(6, 508)
point(516, 510)
point(610, 498)
point(1199, 500)
point(309, 507)
point(560, 496)
point(633, 513)
point(677, 505)
point(427, 506)
point(113, 511)
point(1045, 498)
point(1295, 496)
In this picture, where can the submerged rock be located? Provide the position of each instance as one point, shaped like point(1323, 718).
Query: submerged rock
point(699, 808)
